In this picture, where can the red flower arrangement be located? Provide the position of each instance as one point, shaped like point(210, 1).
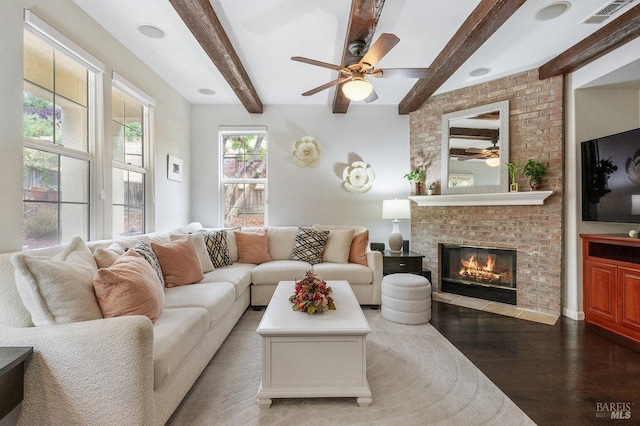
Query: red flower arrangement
point(312, 295)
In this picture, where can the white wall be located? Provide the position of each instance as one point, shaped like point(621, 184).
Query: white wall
point(591, 113)
point(172, 113)
point(304, 196)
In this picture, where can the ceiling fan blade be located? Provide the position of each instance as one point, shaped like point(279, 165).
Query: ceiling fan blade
point(326, 86)
point(372, 97)
point(317, 63)
point(402, 73)
point(381, 47)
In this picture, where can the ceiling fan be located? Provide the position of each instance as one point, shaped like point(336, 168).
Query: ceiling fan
point(491, 154)
point(358, 68)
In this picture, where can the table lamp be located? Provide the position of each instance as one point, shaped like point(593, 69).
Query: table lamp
point(396, 209)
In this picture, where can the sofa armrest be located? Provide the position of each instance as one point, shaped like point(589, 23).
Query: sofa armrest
point(93, 372)
point(374, 261)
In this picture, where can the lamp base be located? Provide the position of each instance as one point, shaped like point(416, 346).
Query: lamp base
point(395, 239)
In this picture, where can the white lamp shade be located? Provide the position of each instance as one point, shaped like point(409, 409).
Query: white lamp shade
point(357, 89)
point(396, 209)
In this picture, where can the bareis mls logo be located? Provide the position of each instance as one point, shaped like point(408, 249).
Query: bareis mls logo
point(613, 410)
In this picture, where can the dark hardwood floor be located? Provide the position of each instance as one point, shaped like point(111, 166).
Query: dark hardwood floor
point(556, 374)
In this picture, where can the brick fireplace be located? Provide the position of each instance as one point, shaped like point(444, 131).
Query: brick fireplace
point(534, 232)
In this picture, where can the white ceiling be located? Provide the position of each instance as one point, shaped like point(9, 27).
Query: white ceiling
point(266, 33)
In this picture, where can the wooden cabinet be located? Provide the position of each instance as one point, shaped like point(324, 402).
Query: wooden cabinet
point(611, 283)
point(405, 262)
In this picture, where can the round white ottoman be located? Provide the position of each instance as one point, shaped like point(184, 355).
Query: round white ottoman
point(406, 298)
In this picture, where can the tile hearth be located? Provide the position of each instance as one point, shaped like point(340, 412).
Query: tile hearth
point(495, 307)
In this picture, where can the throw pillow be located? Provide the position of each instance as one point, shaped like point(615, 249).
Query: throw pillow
point(201, 249)
point(309, 245)
point(338, 246)
point(253, 247)
point(217, 248)
point(358, 252)
point(58, 289)
point(129, 287)
point(106, 256)
point(144, 249)
point(179, 262)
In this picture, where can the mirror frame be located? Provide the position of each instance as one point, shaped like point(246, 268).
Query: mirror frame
point(503, 185)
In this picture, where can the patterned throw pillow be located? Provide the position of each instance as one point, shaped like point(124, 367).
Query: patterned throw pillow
point(309, 245)
point(145, 250)
point(217, 247)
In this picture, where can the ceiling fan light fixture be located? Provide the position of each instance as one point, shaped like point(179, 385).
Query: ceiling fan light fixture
point(357, 89)
point(493, 162)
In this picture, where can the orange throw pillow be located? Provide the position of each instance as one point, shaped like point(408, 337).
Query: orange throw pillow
point(130, 286)
point(179, 262)
point(358, 252)
point(253, 247)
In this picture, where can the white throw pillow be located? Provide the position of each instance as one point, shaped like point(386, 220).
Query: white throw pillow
point(58, 289)
point(338, 245)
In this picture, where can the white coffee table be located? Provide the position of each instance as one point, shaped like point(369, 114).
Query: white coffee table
point(320, 355)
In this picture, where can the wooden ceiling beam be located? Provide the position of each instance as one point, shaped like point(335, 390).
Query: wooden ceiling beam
point(485, 20)
point(613, 35)
point(205, 26)
point(362, 25)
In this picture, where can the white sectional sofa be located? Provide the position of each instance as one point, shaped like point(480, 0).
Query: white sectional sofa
point(129, 370)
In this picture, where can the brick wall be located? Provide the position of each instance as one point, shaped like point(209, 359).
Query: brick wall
point(536, 131)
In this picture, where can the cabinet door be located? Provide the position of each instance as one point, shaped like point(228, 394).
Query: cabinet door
point(629, 298)
point(600, 298)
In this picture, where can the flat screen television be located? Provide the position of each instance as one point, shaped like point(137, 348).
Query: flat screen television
point(611, 178)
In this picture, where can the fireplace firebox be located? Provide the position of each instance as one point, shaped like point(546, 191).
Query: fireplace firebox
point(483, 273)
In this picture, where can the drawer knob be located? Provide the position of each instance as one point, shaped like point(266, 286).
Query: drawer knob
point(403, 264)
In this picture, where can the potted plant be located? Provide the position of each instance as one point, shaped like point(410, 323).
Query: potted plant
point(513, 175)
point(417, 176)
point(430, 188)
point(535, 171)
point(601, 172)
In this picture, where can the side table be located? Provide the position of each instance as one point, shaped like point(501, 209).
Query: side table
point(406, 262)
point(12, 362)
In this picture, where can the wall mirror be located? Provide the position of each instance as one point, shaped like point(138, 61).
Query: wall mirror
point(475, 150)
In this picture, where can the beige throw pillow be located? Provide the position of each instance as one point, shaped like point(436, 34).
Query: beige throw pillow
point(201, 249)
point(58, 289)
point(129, 287)
point(105, 257)
point(338, 246)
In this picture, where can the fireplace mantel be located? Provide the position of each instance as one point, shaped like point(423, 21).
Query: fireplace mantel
point(495, 199)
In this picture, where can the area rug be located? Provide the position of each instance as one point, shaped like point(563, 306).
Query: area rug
point(417, 377)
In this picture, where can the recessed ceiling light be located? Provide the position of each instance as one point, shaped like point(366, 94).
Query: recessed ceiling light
point(480, 72)
point(553, 10)
point(206, 91)
point(151, 31)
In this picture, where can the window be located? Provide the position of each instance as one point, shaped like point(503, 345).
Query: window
point(58, 124)
point(244, 176)
point(130, 146)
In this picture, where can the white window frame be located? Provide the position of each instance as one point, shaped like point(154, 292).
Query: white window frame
point(250, 130)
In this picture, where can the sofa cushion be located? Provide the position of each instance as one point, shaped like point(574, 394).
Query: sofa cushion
point(238, 274)
point(176, 332)
point(146, 251)
point(216, 298)
point(352, 272)
point(105, 257)
point(281, 240)
point(58, 289)
point(309, 245)
point(279, 270)
point(358, 252)
point(201, 249)
point(338, 246)
point(253, 247)
point(217, 247)
point(179, 262)
point(129, 286)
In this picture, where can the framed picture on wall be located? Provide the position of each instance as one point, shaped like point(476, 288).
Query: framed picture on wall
point(174, 168)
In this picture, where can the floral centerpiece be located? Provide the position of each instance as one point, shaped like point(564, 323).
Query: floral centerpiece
point(312, 295)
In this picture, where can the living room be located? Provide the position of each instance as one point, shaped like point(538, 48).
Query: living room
point(591, 106)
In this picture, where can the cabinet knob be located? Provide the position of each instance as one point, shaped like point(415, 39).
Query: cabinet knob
point(403, 265)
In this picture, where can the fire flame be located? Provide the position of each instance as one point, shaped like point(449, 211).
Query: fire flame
point(472, 269)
